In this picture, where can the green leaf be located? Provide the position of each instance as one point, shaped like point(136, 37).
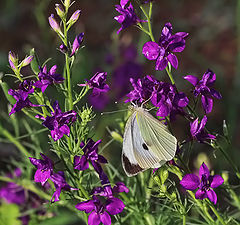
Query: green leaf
point(9, 214)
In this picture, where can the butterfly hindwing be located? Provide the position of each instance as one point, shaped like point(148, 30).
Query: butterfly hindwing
point(129, 162)
point(147, 143)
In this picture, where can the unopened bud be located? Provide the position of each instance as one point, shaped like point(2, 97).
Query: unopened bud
point(13, 60)
point(53, 23)
point(59, 10)
point(67, 3)
point(74, 17)
point(116, 136)
point(27, 60)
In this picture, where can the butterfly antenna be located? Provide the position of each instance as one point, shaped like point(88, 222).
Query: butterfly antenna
point(116, 111)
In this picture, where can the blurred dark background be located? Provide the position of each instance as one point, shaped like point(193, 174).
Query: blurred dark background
point(214, 41)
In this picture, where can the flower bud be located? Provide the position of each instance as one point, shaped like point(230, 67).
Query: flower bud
point(53, 23)
point(225, 176)
point(116, 136)
point(27, 60)
point(59, 10)
point(63, 48)
point(13, 60)
point(67, 3)
point(76, 43)
point(74, 17)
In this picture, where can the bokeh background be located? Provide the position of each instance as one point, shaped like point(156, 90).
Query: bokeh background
point(214, 43)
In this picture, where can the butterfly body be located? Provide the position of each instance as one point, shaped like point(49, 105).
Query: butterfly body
point(147, 143)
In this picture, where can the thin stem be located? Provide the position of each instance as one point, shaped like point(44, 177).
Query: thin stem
point(69, 86)
point(170, 76)
point(148, 16)
point(184, 219)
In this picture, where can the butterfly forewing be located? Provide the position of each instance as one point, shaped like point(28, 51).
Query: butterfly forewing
point(145, 158)
point(160, 141)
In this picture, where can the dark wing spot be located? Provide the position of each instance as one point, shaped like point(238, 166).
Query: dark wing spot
point(145, 146)
point(131, 169)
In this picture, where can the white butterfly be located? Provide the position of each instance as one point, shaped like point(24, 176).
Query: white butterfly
point(147, 143)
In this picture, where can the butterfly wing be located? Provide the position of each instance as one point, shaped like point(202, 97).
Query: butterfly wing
point(144, 157)
point(129, 162)
point(156, 136)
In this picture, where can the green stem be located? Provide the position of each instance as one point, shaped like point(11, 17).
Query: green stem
point(69, 86)
point(184, 219)
point(13, 140)
point(148, 16)
point(170, 76)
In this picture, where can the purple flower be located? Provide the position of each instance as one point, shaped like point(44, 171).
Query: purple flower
point(198, 132)
point(44, 168)
point(12, 192)
point(63, 48)
point(168, 100)
point(100, 208)
point(128, 17)
point(204, 88)
point(48, 78)
point(77, 43)
point(163, 51)
point(143, 89)
point(97, 82)
point(163, 95)
point(21, 96)
point(57, 123)
point(60, 184)
point(108, 191)
point(204, 182)
point(90, 154)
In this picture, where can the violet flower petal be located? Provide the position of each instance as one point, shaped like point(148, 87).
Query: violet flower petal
point(204, 171)
point(151, 50)
point(105, 218)
point(207, 103)
point(173, 60)
point(217, 180)
point(86, 206)
point(94, 218)
point(114, 206)
point(192, 79)
point(200, 194)
point(212, 196)
point(190, 182)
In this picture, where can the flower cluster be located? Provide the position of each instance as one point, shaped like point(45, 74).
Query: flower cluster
point(21, 96)
point(47, 78)
point(162, 95)
point(204, 88)
point(127, 15)
point(99, 208)
point(163, 51)
point(97, 83)
point(57, 122)
point(45, 171)
point(204, 182)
